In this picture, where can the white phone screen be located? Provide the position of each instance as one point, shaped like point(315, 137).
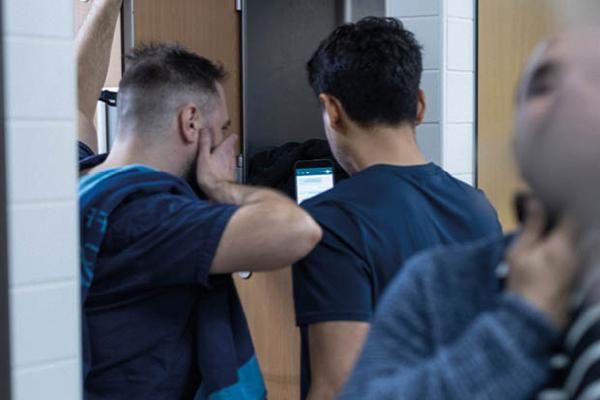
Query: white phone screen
point(312, 181)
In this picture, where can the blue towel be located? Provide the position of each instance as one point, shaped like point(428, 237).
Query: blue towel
point(225, 354)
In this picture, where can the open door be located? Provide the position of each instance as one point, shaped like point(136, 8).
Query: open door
point(507, 34)
point(210, 28)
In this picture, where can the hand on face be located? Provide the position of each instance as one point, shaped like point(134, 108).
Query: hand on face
point(542, 268)
point(215, 166)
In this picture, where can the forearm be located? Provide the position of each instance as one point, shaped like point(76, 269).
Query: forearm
point(268, 231)
point(93, 43)
point(242, 195)
point(321, 393)
point(503, 354)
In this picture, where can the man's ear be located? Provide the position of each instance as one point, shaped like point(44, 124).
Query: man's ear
point(190, 121)
point(421, 107)
point(333, 110)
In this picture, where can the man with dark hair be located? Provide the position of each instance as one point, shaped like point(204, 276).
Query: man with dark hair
point(367, 77)
point(163, 225)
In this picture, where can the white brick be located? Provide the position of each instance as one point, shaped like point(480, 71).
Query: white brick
point(461, 48)
point(413, 8)
point(429, 139)
point(460, 97)
point(54, 381)
point(39, 17)
point(431, 83)
point(459, 148)
point(43, 244)
point(428, 32)
point(466, 178)
point(41, 161)
point(461, 8)
point(39, 79)
point(45, 324)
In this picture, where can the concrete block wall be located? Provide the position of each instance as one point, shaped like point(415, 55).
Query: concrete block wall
point(446, 29)
point(40, 106)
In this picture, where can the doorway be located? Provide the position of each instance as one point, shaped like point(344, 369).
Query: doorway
point(508, 31)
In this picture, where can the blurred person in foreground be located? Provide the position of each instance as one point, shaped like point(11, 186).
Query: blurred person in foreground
point(164, 224)
point(485, 320)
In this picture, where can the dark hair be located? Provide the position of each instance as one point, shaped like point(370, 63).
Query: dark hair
point(156, 75)
point(373, 67)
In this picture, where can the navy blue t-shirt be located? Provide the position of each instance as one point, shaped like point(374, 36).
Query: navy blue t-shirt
point(371, 224)
point(150, 274)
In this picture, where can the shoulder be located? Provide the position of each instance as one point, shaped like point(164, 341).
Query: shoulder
point(167, 211)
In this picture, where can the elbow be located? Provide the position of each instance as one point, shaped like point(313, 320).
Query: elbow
point(307, 234)
point(322, 391)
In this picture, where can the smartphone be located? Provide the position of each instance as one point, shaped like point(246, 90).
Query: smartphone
point(312, 178)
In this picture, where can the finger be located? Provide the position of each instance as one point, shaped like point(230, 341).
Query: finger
point(204, 142)
point(535, 222)
point(228, 145)
point(562, 239)
point(566, 228)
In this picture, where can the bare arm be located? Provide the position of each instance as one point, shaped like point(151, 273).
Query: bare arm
point(334, 348)
point(268, 231)
point(93, 42)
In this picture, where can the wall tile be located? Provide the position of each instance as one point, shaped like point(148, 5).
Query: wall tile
point(39, 79)
point(55, 381)
point(458, 148)
point(431, 83)
point(44, 323)
point(48, 152)
point(39, 17)
point(461, 48)
point(461, 8)
point(460, 97)
point(413, 8)
point(466, 178)
point(428, 32)
point(429, 139)
point(40, 97)
point(42, 245)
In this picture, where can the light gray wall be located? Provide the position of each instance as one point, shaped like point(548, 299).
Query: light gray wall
point(4, 318)
point(43, 234)
point(446, 29)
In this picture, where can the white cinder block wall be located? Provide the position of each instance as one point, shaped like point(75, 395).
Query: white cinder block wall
point(446, 29)
point(43, 225)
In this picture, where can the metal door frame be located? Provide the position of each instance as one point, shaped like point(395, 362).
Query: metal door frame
point(5, 376)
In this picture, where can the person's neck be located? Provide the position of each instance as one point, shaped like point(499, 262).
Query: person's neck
point(134, 152)
point(384, 145)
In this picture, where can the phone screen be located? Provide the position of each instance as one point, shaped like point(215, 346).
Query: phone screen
point(311, 181)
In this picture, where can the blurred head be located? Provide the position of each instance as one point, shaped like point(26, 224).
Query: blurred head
point(167, 96)
point(367, 74)
point(557, 124)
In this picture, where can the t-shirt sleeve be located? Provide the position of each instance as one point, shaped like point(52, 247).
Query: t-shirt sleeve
point(333, 282)
point(170, 240)
point(84, 151)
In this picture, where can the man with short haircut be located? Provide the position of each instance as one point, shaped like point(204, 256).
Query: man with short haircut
point(163, 225)
point(485, 320)
point(367, 77)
